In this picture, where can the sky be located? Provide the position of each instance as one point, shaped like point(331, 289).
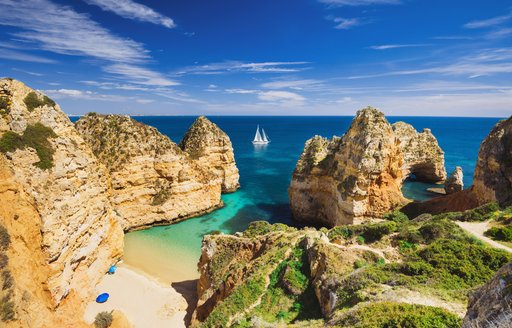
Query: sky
point(264, 57)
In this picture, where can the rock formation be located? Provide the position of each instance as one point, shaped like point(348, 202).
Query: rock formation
point(275, 275)
point(493, 173)
point(360, 175)
point(153, 180)
point(65, 233)
point(491, 305)
point(455, 182)
point(422, 155)
point(211, 147)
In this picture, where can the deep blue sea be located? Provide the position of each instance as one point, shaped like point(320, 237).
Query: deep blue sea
point(265, 173)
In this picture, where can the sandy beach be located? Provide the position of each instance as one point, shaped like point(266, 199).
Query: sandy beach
point(145, 301)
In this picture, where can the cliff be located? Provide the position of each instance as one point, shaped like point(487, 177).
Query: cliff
point(360, 175)
point(492, 181)
point(153, 180)
point(64, 231)
point(399, 272)
point(211, 147)
point(490, 306)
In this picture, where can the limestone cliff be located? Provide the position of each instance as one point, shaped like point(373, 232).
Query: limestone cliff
point(54, 203)
point(153, 180)
point(365, 275)
point(359, 175)
point(455, 182)
point(491, 305)
point(493, 173)
point(422, 155)
point(210, 147)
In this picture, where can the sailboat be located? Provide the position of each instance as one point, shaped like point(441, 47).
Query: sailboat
point(260, 138)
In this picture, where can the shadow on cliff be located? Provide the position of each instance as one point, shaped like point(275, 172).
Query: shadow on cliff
point(187, 289)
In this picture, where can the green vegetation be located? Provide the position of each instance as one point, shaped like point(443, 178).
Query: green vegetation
point(399, 315)
point(161, 197)
point(500, 233)
point(36, 137)
point(103, 320)
point(478, 214)
point(32, 101)
point(7, 311)
point(397, 217)
point(4, 105)
point(259, 228)
point(367, 233)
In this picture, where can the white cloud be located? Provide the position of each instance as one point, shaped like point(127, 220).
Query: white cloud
point(360, 2)
point(139, 75)
point(291, 84)
point(285, 98)
point(84, 95)
point(243, 67)
point(488, 22)
point(396, 46)
point(133, 10)
point(27, 72)
point(21, 56)
point(346, 23)
point(241, 91)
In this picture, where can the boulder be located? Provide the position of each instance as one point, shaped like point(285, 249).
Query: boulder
point(454, 182)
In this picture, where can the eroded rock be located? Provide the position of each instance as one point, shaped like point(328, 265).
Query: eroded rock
point(454, 182)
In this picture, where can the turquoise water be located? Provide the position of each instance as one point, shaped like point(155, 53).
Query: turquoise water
point(265, 173)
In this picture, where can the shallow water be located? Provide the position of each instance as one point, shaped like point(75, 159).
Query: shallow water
point(171, 252)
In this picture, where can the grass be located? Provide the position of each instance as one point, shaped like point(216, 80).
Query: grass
point(35, 136)
point(367, 233)
point(399, 315)
point(33, 101)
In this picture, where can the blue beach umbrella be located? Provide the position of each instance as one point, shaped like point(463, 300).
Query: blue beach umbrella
point(112, 269)
point(102, 298)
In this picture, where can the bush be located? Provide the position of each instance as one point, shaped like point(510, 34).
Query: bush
point(374, 232)
point(396, 315)
point(161, 197)
point(36, 137)
point(397, 217)
point(481, 213)
point(500, 233)
point(4, 260)
point(32, 101)
point(6, 309)
point(103, 320)
point(7, 280)
point(5, 239)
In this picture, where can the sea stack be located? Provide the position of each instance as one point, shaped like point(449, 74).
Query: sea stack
point(154, 181)
point(359, 176)
point(211, 147)
point(54, 205)
point(454, 183)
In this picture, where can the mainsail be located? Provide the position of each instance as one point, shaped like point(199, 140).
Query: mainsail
point(257, 137)
point(265, 138)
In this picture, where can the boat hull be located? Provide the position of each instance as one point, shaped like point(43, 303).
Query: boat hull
point(260, 142)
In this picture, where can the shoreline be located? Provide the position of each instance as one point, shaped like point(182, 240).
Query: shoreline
point(145, 300)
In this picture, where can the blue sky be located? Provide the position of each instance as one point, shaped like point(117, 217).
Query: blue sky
point(276, 57)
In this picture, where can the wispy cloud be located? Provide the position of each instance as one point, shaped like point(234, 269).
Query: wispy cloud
point(84, 95)
point(243, 67)
point(360, 2)
point(397, 46)
point(62, 30)
point(485, 62)
point(27, 72)
point(21, 56)
point(488, 22)
point(346, 23)
point(285, 98)
point(133, 10)
point(291, 84)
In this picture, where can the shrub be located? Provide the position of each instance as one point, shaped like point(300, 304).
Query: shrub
point(4, 260)
point(6, 309)
point(395, 315)
point(481, 213)
point(374, 232)
point(161, 197)
point(103, 319)
point(7, 280)
point(500, 233)
point(360, 240)
point(32, 101)
point(397, 217)
point(5, 239)
point(36, 137)
point(359, 264)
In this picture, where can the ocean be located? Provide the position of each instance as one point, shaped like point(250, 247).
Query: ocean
point(172, 252)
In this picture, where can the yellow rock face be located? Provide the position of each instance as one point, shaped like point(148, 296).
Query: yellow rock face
point(153, 180)
point(65, 231)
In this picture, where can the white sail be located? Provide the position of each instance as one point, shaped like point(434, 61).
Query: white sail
point(257, 137)
point(264, 135)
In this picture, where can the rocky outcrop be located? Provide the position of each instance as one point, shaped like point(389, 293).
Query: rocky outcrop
point(455, 182)
point(211, 147)
point(275, 275)
point(359, 175)
point(153, 180)
point(492, 181)
point(55, 203)
point(423, 157)
point(491, 305)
